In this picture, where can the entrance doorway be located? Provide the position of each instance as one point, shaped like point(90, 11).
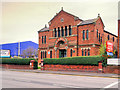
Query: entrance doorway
point(62, 53)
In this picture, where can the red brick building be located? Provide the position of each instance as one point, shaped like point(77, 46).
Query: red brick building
point(118, 38)
point(68, 36)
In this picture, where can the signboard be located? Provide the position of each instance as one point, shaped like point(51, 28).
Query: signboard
point(109, 46)
point(4, 53)
point(113, 61)
point(110, 53)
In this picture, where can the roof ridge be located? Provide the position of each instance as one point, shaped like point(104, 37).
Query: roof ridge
point(65, 12)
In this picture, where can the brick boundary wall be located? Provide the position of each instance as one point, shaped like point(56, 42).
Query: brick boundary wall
point(71, 68)
point(83, 68)
point(8, 66)
point(112, 69)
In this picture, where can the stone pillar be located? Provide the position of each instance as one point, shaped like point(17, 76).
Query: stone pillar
point(68, 31)
point(100, 68)
point(55, 52)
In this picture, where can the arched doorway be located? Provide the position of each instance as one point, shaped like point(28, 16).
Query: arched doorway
point(62, 49)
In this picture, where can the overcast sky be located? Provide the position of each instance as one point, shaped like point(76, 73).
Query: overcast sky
point(22, 20)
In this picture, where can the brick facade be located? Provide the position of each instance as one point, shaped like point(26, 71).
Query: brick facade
point(68, 36)
point(119, 38)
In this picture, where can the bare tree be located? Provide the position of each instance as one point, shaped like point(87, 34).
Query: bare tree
point(29, 52)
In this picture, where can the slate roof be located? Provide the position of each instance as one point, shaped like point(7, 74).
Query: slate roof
point(85, 22)
point(110, 33)
point(44, 29)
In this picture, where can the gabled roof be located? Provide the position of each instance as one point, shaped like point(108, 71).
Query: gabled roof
point(44, 29)
point(65, 12)
point(110, 33)
point(90, 21)
point(85, 22)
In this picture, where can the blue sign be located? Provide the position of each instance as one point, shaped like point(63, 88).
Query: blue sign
point(110, 53)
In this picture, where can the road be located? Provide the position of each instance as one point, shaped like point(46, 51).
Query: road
point(14, 79)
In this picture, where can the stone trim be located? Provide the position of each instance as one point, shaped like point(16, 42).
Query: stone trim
point(63, 36)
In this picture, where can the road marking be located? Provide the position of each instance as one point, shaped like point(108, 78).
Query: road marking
point(68, 74)
point(108, 86)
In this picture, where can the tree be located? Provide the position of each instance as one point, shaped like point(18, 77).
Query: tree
point(29, 52)
point(102, 50)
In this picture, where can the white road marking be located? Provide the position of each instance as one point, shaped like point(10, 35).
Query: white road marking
point(112, 84)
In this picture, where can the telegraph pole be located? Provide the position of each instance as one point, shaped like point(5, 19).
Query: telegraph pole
point(18, 48)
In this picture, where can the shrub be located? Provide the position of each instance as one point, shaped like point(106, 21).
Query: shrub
point(16, 61)
point(88, 60)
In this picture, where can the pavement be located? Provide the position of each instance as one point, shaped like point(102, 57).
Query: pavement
point(73, 73)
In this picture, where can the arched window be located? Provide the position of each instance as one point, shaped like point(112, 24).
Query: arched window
point(50, 54)
point(65, 30)
point(55, 32)
point(113, 39)
point(108, 37)
point(58, 31)
point(45, 54)
point(42, 39)
point(99, 37)
point(45, 39)
point(83, 34)
point(85, 52)
point(41, 55)
point(87, 34)
point(70, 30)
point(97, 33)
point(82, 52)
point(71, 52)
point(88, 52)
point(62, 31)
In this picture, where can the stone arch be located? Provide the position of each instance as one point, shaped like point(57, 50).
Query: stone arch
point(62, 40)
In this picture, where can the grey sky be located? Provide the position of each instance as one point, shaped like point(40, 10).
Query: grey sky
point(22, 20)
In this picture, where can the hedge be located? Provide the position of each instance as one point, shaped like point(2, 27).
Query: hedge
point(88, 60)
point(16, 61)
